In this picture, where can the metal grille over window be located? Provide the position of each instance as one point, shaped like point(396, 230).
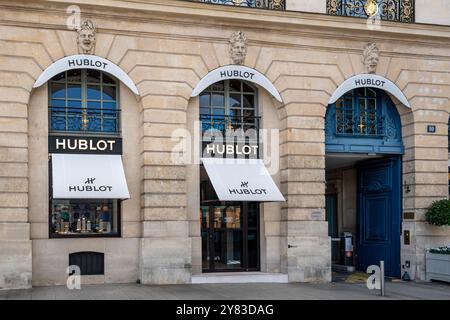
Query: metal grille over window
point(90, 263)
point(390, 10)
point(83, 100)
point(357, 114)
point(264, 4)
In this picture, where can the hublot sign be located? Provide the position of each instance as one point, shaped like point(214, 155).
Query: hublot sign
point(87, 145)
point(85, 62)
point(368, 82)
point(240, 74)
point(90, 187)
point(245, 189)
point(230, 150)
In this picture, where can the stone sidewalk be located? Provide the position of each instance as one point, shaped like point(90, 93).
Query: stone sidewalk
point(297, 291)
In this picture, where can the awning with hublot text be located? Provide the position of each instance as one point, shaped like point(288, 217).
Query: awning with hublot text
point(241, 180)
point(82, 176)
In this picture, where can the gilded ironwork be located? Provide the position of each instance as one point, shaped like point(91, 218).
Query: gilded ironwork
point(371, 8)
point(264, 4)
point(390, 10)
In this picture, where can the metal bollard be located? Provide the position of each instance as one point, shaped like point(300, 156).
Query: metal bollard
point(382, 277)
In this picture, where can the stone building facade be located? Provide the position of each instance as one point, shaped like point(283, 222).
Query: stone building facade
point(166, 48)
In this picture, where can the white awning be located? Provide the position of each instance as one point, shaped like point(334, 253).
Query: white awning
point(82, 176)
point(241, 180)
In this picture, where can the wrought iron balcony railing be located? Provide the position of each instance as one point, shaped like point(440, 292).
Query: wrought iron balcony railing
point(74, 119)
point(263, 4)
point(239, 127)
point(390, 10)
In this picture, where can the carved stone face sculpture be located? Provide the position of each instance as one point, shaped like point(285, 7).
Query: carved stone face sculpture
point(86, 38)
point(238, 47)
point(371, 57)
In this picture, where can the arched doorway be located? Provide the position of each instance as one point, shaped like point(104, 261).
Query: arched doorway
point(363, 172)
point(229, 229)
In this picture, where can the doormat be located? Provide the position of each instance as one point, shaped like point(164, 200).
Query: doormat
point(357, 277)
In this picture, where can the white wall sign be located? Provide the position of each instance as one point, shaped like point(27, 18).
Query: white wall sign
point(83, 61)
point(236, 72)
point(369, 80)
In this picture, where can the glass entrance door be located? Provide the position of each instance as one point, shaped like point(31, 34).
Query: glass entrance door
point(230, 236)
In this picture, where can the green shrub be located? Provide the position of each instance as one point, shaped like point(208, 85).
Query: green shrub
point(439, 213)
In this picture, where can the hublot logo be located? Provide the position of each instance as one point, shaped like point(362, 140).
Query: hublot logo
point(245, 189)
point(89, 187)
point(92, 145)
point(237, 74)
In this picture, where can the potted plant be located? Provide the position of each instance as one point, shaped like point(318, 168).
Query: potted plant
point(439, 213)
point(438, 259)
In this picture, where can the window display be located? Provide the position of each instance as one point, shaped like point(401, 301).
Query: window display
point(84, 217)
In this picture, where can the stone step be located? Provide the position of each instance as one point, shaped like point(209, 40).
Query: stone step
point(240, 277)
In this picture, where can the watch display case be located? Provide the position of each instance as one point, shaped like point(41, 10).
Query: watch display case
point(84, 217)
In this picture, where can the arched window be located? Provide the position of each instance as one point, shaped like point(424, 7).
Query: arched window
point(83, 100)
point(363, 120)
point(358, 113)
point(229, 104)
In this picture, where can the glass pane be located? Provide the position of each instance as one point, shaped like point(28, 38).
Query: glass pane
point(235, 115)
point(371, 116)
point(228, 249)
point(93, 92)
point(252, 242)
point(249, 101)
point(58, 90)
point(247, 88)
point(74, 104)
point(110, 109)
point(84, 217)
point(205, 100)
point(74, 121)
point(218, 112)
point(218, 100)
point(205, 111)
point(109, 93)
point(249, 116)
point(218, 86)
point(92, 75)
point(227, 238)
point(232, 218)
point(94, 106)
point(74, 75)
point(235, 100)
point(371, 93)
point(94, 123)
point(58, 121)
point(235, 85)
point(74, 91)
point(108, 79)
point(110, 124)
point(58, 103)
point(253, 214)
point(59, 77)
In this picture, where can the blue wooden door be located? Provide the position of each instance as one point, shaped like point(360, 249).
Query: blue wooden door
point(379, 214)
